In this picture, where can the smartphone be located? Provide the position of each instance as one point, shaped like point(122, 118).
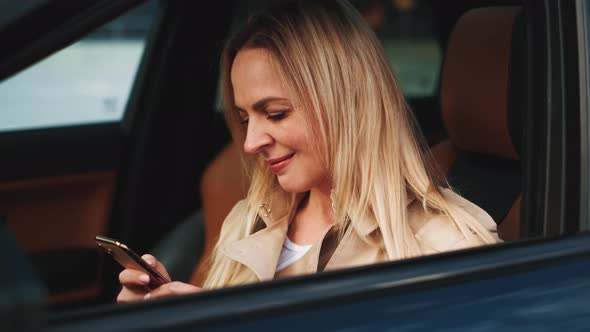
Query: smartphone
point(130, 260)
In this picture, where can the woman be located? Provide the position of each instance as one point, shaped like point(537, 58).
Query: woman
point(338, 177)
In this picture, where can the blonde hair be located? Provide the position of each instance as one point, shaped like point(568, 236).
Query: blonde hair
point(337, 71)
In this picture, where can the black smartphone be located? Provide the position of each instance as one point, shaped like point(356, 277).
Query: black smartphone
point(130, 260)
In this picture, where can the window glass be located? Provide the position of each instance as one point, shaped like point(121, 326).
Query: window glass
point(406, 30)
point(405, 27)
point(87, 82)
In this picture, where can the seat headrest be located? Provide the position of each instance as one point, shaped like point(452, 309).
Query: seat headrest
point(474, 86)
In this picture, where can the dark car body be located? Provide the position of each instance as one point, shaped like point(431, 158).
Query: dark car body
point(147, 167)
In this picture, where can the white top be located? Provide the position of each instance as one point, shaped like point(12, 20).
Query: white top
point(291, 253)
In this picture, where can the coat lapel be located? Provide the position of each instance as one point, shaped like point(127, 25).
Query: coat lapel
point(260, 251)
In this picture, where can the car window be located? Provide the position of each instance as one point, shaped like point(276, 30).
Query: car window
point(405, 27)
point(86, 82)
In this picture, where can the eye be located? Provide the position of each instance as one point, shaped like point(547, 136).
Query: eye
point(243, 116)
point(276, 116)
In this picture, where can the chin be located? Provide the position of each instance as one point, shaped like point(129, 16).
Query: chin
point(294, 186)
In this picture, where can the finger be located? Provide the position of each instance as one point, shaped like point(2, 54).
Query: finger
point(133, 278)
point(153, 262)
point(172, 288)
point(128, 295)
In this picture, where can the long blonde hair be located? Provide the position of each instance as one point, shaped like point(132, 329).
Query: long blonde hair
point(337, 72)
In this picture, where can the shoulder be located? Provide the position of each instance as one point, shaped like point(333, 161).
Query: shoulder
point(237, 212)
point(229, 230)
point(240, 206)
point(475, 211)
point(438, 233)
point(236, 215)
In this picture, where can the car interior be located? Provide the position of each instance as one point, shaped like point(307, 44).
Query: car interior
point(163, 177)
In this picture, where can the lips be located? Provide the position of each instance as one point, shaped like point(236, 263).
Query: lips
point(278, 164)
point(278, 160)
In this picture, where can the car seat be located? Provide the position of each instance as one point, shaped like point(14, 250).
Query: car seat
point(223, 184)
point(481, 155)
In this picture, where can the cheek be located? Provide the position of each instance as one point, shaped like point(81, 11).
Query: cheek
point(295, 139)
point(308, 148)
point(312, 164)
point(302, 145)
point(296, 134)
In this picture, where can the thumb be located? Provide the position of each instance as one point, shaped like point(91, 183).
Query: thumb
point(157, 265)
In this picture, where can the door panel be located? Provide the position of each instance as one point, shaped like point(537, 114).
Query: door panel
point(58, 212)
point(54, 220)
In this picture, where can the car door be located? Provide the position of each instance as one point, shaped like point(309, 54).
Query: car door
point(97, 137)
point(62, 136)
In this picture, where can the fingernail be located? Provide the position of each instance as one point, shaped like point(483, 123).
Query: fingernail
point(144, 278)
point(147, 296)
point(150, 261)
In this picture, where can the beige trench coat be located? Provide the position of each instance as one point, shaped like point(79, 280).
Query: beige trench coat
point(260, 251)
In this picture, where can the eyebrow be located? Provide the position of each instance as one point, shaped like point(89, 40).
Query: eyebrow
point(261, 104)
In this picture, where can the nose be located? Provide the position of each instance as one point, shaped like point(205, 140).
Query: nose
point(257, 137)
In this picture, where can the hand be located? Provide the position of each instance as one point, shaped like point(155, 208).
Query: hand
point(172, 288)
point(135, 282)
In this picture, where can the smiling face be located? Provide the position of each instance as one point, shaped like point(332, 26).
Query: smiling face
point(276, 130)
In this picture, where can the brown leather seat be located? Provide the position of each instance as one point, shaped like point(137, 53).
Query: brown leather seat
point(480, 156)
point(223, 185)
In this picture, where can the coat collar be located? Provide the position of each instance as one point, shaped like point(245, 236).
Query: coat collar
point(282, 205)
point(260, 251)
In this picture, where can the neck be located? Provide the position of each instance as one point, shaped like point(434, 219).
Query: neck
point(313, 218)
point(319, 204)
